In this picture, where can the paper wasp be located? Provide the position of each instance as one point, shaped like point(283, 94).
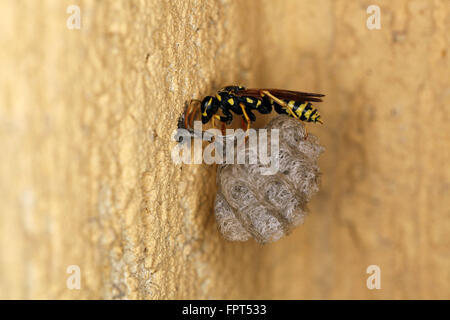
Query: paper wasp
point(243, 102)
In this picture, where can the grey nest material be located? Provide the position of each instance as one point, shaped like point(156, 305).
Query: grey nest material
point(267, 207)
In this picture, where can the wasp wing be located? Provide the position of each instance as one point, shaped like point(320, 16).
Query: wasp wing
point(282, 94)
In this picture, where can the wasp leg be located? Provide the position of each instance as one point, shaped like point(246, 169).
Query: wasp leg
point(216, 116)
point(186, 115)
point(280, 102)
point(188, 112)
point(228, 117)
point(245, 115)
point(243, 124)
point(191, 120)
point(251, 115)
point(223, 128)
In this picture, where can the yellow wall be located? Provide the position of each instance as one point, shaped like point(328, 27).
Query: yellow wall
point(86, 176)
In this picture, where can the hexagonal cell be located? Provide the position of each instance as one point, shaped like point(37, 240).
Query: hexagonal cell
point(250, 204)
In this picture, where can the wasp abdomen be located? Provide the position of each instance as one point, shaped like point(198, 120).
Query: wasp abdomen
point(304, 110)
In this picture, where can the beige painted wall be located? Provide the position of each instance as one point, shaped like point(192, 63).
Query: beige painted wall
point(86, 174)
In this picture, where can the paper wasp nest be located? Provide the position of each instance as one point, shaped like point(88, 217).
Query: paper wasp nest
point(266, 207)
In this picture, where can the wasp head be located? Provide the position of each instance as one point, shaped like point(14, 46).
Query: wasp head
point(208, 108)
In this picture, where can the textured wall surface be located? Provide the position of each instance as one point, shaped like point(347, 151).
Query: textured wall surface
point(86, 176)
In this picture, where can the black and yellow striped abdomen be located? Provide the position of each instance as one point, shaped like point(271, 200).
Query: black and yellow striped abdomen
point(304, 110)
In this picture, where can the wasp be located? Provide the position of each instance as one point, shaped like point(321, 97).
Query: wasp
point(244, 102)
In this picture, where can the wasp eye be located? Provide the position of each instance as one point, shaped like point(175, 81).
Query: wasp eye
point(204, 104)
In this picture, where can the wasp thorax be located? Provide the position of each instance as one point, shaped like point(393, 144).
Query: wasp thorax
point(250, 204)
